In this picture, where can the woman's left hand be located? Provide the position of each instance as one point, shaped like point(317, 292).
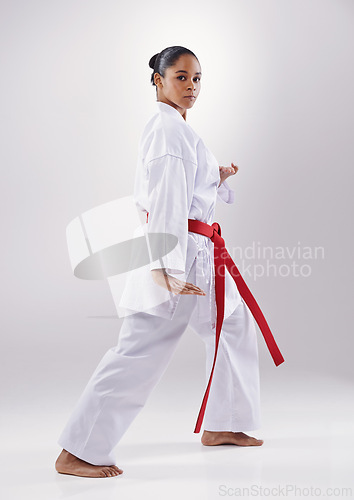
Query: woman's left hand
point(225, 172)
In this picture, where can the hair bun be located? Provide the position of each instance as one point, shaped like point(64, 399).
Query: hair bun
point(153, 61)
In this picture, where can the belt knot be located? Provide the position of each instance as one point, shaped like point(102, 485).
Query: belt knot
point(216, 236)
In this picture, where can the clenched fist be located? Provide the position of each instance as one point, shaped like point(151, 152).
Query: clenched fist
point(225, 172)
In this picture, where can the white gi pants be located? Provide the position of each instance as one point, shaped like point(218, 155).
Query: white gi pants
point(120, 386)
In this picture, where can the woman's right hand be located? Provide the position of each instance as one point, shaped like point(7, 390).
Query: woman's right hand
point(175, 285)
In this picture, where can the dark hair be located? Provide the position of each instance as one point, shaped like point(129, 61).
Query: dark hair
point(166, 58)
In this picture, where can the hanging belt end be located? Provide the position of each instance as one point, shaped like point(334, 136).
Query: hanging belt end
point(197, 429)
point(278, 360)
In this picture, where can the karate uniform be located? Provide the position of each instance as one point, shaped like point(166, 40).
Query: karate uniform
point(176, 179)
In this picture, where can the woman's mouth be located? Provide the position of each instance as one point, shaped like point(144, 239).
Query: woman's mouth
point(191, 97)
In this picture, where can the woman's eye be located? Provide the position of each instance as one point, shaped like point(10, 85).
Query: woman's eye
point(196, 79)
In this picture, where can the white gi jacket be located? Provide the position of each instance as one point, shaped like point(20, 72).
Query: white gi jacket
point(177, 179)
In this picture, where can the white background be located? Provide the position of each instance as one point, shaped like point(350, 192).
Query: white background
point(276, 99)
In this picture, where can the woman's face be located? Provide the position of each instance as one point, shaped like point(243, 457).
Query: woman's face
point(181, 81)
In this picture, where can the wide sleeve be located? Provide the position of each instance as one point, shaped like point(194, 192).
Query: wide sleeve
point(170, 192)
point(225, 193)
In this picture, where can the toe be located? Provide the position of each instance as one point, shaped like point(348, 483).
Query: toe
point(108, 472)
point(114, 471)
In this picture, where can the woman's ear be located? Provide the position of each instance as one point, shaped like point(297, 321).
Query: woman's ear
point(158, 80)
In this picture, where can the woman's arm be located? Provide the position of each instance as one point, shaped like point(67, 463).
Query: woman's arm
point(170, 190)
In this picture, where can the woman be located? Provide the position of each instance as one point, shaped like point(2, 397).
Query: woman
point(177, 179)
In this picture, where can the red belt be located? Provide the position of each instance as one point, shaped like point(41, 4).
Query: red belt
point(221, 259)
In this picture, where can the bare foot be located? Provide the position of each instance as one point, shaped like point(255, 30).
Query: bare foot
point(211, 438)
point(70, 464)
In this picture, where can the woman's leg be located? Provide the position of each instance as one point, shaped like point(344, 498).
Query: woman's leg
point(234, 399)
point(122, 382)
